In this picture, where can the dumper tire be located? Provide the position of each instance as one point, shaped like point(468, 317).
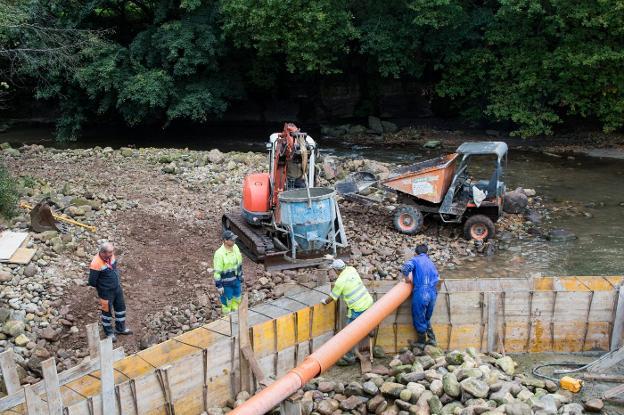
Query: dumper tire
point(408, 220)
point(479, 228)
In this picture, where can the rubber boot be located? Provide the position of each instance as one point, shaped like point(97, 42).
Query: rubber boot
point(421, 339)
point(431, 338)
point(347, 360)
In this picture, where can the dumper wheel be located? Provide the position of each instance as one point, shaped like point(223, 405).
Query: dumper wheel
point(479, 228)
point(408, 220)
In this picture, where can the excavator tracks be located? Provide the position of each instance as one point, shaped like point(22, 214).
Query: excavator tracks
point(250, 240)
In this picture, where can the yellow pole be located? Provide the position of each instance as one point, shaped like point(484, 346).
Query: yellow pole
point(62, 218)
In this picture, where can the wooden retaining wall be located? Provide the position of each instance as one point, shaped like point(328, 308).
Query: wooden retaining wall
point(202, 368)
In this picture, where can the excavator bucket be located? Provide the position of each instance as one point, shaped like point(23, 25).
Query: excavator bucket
point(42, 219)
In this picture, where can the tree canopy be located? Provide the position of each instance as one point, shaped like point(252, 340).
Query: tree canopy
point(530, 63)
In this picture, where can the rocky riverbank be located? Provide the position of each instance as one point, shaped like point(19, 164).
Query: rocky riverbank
point(162, 208)
point(423, 382)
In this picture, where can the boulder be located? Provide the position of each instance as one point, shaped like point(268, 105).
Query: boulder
point(405, 395)
point(426, 361)
point(370, 388)
point(593, 405)
point(515, 202)
point(417, 390)
point(353, 388)
point(374, 124)
point(518, 408)
point(21, 340)
point(392, 389)
point(431, 144)
point(5, 313)
point(452, 408)
point(435, 406)
point(506, 363)
point(215, 156)
point(572, 409)
point(436, 387)
point(411, 377)
point(455, 358)
point(13, 328)
point(352, 402)
point(374, 402)
point(475, 387)
point(433, 351)
point(30, 270)
point(49, 334)
point(5, 276)
point(326, 387)
point(327, 406)
point(389, 127)
point(546, 405)
point(451, 385)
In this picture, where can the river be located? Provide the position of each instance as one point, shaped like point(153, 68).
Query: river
point(594, 185)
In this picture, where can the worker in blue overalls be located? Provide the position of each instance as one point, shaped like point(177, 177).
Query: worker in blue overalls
point(422, 273)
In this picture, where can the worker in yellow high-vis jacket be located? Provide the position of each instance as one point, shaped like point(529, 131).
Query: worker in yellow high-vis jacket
point(351, 289)
point(228, 273)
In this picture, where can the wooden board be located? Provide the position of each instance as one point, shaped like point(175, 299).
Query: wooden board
point(21, 256)
point(10, 242)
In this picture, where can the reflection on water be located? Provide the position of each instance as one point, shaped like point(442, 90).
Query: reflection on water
point(594, 185)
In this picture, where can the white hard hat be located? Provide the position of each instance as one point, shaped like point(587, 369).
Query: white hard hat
point(338, 264)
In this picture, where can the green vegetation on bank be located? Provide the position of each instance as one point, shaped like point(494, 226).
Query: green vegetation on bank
point(531, 63)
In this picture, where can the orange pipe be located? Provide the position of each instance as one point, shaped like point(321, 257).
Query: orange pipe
point(327, 354)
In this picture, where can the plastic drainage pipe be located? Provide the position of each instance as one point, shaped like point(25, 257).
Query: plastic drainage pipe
point(327, 354)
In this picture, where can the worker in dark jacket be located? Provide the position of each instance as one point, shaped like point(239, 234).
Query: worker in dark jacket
point(424, 277)
point(104, 276)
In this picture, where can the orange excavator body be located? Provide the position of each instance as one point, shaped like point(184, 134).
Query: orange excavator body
point(257, 193)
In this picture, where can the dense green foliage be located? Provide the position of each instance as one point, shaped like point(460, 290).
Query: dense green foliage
point(530, 63)
point(8, 193)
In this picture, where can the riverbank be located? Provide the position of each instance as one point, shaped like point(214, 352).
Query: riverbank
point(162, 208)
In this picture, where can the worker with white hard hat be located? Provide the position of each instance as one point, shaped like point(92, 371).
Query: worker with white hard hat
point(350, 287)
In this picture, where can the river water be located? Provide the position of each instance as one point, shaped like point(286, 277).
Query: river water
point(593, 186)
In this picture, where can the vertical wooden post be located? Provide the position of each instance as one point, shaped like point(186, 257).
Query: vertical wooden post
point(107, 377)
point(243, 340)
point(53, 390)
point(9, 372)
point(34, 404)
point(618, 323)
point(93, 338)
point(492, 321)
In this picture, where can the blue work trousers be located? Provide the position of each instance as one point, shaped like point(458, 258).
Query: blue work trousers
point(423, 303)
point(230, 299)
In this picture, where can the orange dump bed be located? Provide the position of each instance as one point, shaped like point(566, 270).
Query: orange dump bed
point(427, 180)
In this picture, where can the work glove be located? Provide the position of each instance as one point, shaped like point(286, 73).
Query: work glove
point(221, 290)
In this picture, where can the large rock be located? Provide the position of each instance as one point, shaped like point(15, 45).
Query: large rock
point(353, 388)
point(455, 358)
point(518, 408)
point(215, 156)
point(392, 389)
point(327, 406)
point(451, 408)
point(13, 328)
point(389, 127)
point(5, 313)
point(475, 387)
point(435, 406)
point(49, 334)
point(436, 387)
point(451, 385)
point(352, 402)
point(515, 202)
point(594, 405)
point(21, 340)
point(433, 351)
point(411, 377)
point(5, 276)
point(374, 402)
point(506, 363)
point(30, 270)
point(374, 124)
point(326, 386)
point(546, 405)
point(370, 388)
point(426, 361)
point(417, 390)
point(572, 409)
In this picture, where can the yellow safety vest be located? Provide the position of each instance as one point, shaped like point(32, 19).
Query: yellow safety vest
point(228, 265)
point(350, 287)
